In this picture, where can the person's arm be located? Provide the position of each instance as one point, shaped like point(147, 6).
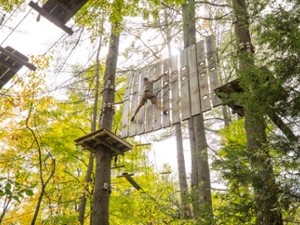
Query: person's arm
point(159, 77)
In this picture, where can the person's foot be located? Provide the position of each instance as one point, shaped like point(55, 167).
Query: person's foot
point(165, 112)
point(132, 119)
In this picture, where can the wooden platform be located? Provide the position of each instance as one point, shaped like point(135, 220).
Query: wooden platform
point(59, 12)
point(105, 138)
point(11, 61)
point(225, 91)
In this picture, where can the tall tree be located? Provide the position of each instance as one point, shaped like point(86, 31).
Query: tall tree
point(265, 187)
point(100, 213)
point(200, 178)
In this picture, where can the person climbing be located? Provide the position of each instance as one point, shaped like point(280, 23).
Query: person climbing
point(148, 94)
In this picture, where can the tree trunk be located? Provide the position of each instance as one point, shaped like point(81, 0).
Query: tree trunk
point(93, 128)
point(265, 188)
point(184, 193)
point(201, 192)
point(182, 173)
point(100, 213)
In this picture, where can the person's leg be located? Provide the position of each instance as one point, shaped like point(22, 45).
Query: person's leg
point(142, 102)
point(158, 105)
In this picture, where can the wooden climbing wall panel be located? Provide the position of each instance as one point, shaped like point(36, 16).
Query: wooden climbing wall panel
point(186, 91)
point(141, 114)
point(166, 92)
point(159, 94)
point(149, 107)
point(125, 114)
point(193, 81)
point(134, 101)
point(174, 89)
point(212, 69)
point(203, 77)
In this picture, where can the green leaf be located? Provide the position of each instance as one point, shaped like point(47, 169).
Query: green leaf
point(29, 192)
point(16, 198)
point(8, 187)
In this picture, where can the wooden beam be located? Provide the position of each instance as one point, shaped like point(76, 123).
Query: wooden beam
point(117, 166)
point(52, 19)
point(106, 144)
point(166, 172)
point(145, 144)
point(17, 58)
point(131, 180)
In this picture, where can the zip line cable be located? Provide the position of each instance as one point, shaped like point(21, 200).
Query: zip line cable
point(14, 29)
point(4, 22)
point(52, 46)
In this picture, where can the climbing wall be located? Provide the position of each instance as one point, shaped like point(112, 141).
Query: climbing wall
point(187, 90)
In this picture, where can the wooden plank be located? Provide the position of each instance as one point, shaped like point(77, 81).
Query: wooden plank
point(203, 77)
point(129, 178)
point(141, 114)
point(115, 150)
point(166, 92)
point(9, 66)
point(193, 81)
point(49, 17)
point(17, 56)
point(212, 69)
point(21, 58)
point(185, 96)
point(134, 101)
point(175, 90)
point(63, 10)
point(6, 77)
point(158, 91)
point(126, 106)
point(149, 107)
point(6, 65)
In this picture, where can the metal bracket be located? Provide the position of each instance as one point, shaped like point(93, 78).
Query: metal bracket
point(109, 105)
